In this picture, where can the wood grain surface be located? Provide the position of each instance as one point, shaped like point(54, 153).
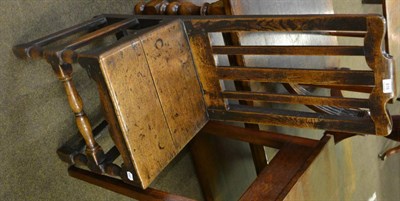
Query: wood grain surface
point(156, 96)
point(174, 75)
point(138, 109)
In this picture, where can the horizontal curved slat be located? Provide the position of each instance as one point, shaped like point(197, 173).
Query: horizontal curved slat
point(361, 89)
point(300, 76)
point(297, 99)
point(290, 50)
point(281, 23)
point(276, 117)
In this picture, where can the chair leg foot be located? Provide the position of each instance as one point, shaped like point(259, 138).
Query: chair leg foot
point(389, 152)
point(382, 156)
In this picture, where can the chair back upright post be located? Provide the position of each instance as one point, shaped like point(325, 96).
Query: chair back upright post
point(380, 76)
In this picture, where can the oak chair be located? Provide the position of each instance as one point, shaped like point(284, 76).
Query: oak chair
point(159, 86)
point(225, 8)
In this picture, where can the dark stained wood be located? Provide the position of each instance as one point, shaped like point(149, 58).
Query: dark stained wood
point(282, 23)
point(184, 8)
point(341, 33)
point(391, 13)
point(126, 61)
point(65, 52)
point(324, 109)
point(112, 154)
point(60, 56)
point(322, 165)
point(275, 182)
point(266, 138)
point(283, 167)
point(139, 8)
point(162, 7)
point(110, 29)
point(33, 50)
point(372, 1)
point(355, 88)
point(339, 136)
point(269, 116)
point(118, 186)
point(298, 99)
point(76, 144)
point(188, 8)
point(383, 68)
point(258, 153)
point(299, 76)
point(381, 116)
point(154, 7)
point(203, 151)
point(216, 8)
point(370, 24)
point(290, 50)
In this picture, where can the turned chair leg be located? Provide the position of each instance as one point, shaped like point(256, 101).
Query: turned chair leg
point(94, 152)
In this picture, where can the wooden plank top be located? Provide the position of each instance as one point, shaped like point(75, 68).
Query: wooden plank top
point(156, 96)
point(174, 74)
point(138, 108)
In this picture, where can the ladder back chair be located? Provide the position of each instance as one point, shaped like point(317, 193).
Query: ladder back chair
point(380, 78)
point(159, 83)
point(294, 86)
point(237, 7)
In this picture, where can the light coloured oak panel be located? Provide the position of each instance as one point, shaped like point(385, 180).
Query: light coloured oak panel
point(171, 65)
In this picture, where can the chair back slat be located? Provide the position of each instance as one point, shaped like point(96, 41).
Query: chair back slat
point(379, 76)
point(299, 76)
point(289, 50)
point(269, 116)
point(296, 99)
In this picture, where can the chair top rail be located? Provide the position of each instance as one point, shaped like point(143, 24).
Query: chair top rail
point(57, 54)
point(34, 49)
